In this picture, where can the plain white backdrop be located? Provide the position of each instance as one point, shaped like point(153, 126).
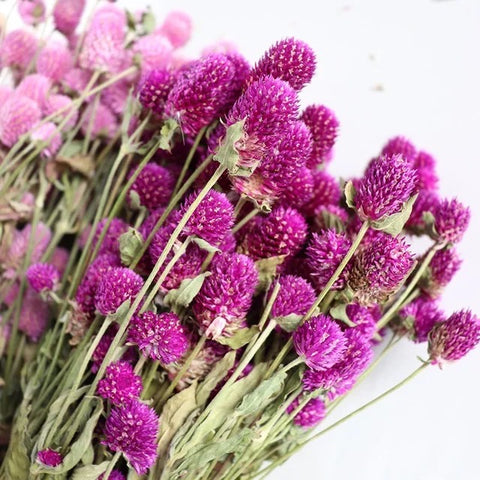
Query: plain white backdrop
point(386, 68)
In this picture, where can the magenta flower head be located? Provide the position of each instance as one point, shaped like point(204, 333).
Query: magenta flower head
point(132, 429)
point(320, 342)
point(379, 268)
point(290, 60)
point(155, 88)
point(115, 475)
point(226, 295)
point(57, 102)
point(110, 243)
point(67, 15)
point(49, 457)
point(159, 336)
point(442, 268)
point(33, 315)
point(451, 220)
point(42, 277)
point(18, 49)
point(326, 191)
point(427, 201)
point(54, 61)
point(154, 186)
point(400, 146)
point(35, 86)
point(310, 415)
point(330, 216)
point(454, 338)
point(388, 183)
point(324, 127)
point(117, 286)
point(296, 296)
point(17, 116)
point(427, 177)
point(363, 318)
point(324, 253)
point(32, 12)
point(299, 191)
point(48, 135)
point(177, 27)
point(120, 383)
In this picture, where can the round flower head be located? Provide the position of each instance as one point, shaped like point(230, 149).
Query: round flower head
point(35, 86)
point(242, 69)
point(5, 93)
point(153, 52)
point(32, 12)
point(67, 15)
point(155, 88)
point(330, 216)
point(49, 457)
point(18, 49)
point(443, 266)
point(296, 296)
point(116, 96)
point(226, 295)
point(76, 80)
point(454, 338)
point(299, 191)
point(427, 201)
point(177, 27)
point(154, 186)
point(104, 123)
point(379, 268)
point(400, 146)
point(326, 191)
point(54, 61)
point(110, 243)
point(388, 183)
point(54, 103)
point(132, 430)
point(120, 383)
point(17, 116)
point(290, 60)
point(117, 286)
point(42, 276)
point(159, 336)
point(320, 342)
point(425, 165)
point(47, 134)
point(324, 127)
point(33, 315)
point(115, 475)
point(363, 318)
point(451, 220)
point(324, 253)
point(310, 415)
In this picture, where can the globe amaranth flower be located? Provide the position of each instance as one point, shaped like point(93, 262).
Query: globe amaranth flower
point(177, 27)
point(427, 201)
point(324, 253)
point(379, 268)
point(76, 80)
point(320, 342)
point(226, 295)
point(99, 121)
point(330, 217)
point(32, 12)
point(454, 338)
point(36, 87)
point(443, 266)
point(132, 429)
point(153, 52)
point(49, 137)
point(49, 457)
point(363, 318)
point(451, 220)
point(388, 183)
point(155, 88)
point(296, 296)
point(400, 146)
point(18, 49)
point(42, 276)
point(115, 475)
point(326, 191)
point(34, 315)
point(120, 383)
point(290, 60)
point(67, 15)
point(57, 102)
point(310, 415)
point(159, 336)
point(324, 127)
point(425, 166)
point(110, 240)
point(116, 97)
point(54, 61)
point(299, 191)
point(117, 286)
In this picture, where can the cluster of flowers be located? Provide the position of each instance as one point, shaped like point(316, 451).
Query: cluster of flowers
point(178, 268)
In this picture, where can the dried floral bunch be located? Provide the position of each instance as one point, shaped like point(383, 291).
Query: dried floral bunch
point(185, 290)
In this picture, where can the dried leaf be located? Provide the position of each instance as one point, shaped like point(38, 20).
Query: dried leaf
point(350, 193)
point(339, 312)
point(289, 323)
point(267, 269)
point(240, 338)
point(393, 224)
point(89, 472)
point(186, 292)
point(131, 242)
point(166, 134)
point(204, 245)
point(83, 164)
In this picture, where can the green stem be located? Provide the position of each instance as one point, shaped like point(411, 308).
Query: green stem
point(112, 464)
point(245, 220)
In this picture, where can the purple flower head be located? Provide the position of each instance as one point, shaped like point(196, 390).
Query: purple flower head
point(299, 191)
point(115, 475)
point(18, 49)
point(320, 342)
point(427, 201)
point(17, 116)
point(326, 191)
point(296, 296)
point(324, 253)
point(363, 318)
point(155, 88)
point(49, 135)
point(388, 183)
point(324, 127)
point(116, 96)
point(57, 102)
point(443, 266)
point(110, 243)
point(379, 268)
point(290, 60)
point(454, 338)
point(242, 69)
point(427, 177)
point(32, 12)
point(35, 86)
point(330, 216)
point(177, 27)
point(42, 276)
point(310, 415)
point(67, 15)
point(159, 336)
point(54, 61)
point(33, 315)
point(117, 286)
point(104, 123)
point(132, 429)
point(49, 457)
point(451, 220)
point(153, 51)
point(227, 293)
point(400, 146)
point(120, 383)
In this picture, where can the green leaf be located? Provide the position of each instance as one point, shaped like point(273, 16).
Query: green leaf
point(289, 323)
point(240, 338)
point(267, 269)
point(429, 221)
point(135, 202)
point(332, 221)
point(350, 193)
point(89, 472)
point(148, 22)
point(166, 134)
point(393, 224)
point(121, 312)
point(71, 149)
point(186, 292)
point(204, 245)
point(131, 242)
point(339, 312)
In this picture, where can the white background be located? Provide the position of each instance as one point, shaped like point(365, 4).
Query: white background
point(385, 67)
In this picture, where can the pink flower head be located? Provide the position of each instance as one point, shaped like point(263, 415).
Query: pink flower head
point(120, 383)
point(330, 216)
point(110, 243)
point(153, 52)
point(115, 475)
point(57, 102)
point(117, 286)
point(425, 165)
point(32, 12)
point(18, 49)
point(5, 93)
point(33, 315)
point(155, 89)
point(400, 146)
point(76, 80)
point(132, 429)
point(443, 266)
point(388, 183)
point(35, 86)
point(42, 276)
point(227, 293)
point(177, 27)
point(363, 318)
point(324, 127)
point(454, 338)
point(299, 191)
point(324, 253)
point(54, 61)
point(451, 220)
point(67, 15)
point(116, 96)
point(296, 296)
point(17, 116)
point(49, 457)
point(59, 259)
point(290, 60)
point(159, 336)
point(326, 191)
point(320, 342)
point(104, 123)
point(49, 135)
point(310, 415)
point(427, 201)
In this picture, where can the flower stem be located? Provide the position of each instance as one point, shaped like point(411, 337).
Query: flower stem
point(112, 464)
point(245, 220)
